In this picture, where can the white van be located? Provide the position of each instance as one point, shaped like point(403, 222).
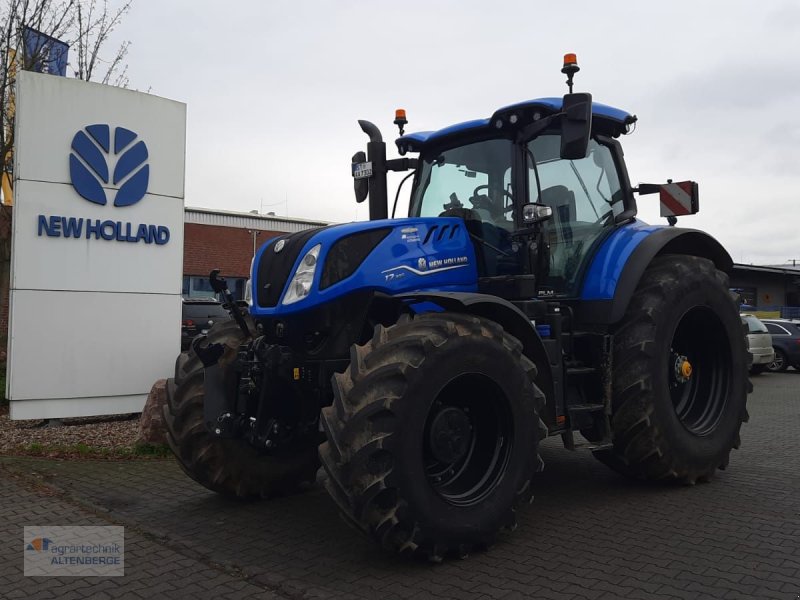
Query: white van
point(759, 343)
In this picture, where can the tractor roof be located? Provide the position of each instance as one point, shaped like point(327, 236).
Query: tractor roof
point(606, 119)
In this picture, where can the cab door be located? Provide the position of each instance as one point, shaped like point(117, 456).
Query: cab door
point(586, 197)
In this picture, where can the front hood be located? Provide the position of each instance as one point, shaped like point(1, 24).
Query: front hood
point(392, 256)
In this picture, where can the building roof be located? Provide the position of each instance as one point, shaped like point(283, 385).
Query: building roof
point(240, 220)
point(778, 270)
point(785, 267)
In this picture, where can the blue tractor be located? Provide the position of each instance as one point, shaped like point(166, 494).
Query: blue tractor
point(423, 359)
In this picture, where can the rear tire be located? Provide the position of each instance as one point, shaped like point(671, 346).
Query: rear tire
point(230, 467)
point(433, 434)
point(666, 425)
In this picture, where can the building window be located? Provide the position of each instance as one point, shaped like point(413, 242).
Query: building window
point(747, 295)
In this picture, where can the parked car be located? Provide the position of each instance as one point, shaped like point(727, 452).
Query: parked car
point(199, 314)
point(759, 342)
point(786, 342)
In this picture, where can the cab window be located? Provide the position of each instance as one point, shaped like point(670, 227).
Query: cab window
point(585, 196)
point(474, 182)
point(476, 177)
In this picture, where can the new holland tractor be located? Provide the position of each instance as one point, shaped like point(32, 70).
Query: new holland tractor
point(423, 359)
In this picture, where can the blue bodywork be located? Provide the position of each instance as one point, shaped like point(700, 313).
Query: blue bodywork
point(435, 254)
point(403, 262)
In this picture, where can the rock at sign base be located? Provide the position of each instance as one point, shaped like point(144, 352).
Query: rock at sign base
point(151, 424)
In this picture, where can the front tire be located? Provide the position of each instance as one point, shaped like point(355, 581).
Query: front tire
point(671, 421)
point(433, 434)
point(230, 467)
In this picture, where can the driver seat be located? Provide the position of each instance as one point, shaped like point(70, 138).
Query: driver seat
point(562, 200)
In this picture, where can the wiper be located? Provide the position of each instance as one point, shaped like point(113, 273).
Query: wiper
point(583, 186)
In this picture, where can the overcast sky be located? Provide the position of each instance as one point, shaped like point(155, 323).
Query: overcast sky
point(274, 90)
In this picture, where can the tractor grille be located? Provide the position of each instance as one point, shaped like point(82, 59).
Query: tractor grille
point(275, 268)
point(348, 253)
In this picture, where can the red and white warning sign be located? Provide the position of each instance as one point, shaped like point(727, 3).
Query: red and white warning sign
point(680, 198)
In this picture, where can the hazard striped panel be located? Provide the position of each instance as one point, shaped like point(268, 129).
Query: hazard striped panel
point(680, 198)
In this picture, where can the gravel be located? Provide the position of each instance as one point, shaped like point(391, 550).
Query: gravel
point(106, 435)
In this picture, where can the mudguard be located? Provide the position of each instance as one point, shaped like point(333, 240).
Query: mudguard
point(618, 265)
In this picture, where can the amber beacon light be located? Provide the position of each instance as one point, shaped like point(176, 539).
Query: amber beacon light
point(570, 68)
point(570, 61)
point(400, 119)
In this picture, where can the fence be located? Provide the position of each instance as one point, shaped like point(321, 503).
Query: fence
point(773, 312)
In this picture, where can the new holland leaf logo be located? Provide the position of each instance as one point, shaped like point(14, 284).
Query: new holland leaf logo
point(92, 157)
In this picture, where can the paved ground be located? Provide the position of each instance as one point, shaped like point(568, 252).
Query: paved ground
point(590, 533)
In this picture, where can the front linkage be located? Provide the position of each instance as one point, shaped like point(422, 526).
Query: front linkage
point(263, 410)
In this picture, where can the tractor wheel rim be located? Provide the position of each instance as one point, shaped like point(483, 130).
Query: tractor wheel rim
point(467, 440)
point(699, 400)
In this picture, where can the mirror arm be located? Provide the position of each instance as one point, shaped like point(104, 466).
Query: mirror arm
point(647, 188)
point(401, 164)
point(529, 131)
point(625, 215)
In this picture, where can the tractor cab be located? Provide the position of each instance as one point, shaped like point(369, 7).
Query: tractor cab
point(539, 185)
point(491, 172)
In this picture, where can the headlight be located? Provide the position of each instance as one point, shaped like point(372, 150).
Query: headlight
point(300, 285)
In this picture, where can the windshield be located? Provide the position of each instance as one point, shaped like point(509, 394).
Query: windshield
point(476, 176)
point(474, 182)
point(585, 196)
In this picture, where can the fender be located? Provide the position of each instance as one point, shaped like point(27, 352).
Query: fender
point(511, 318)
point(621, 261)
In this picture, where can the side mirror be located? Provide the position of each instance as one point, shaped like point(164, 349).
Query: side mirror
point(536, 213)
point(576, 125)
point(360, 179)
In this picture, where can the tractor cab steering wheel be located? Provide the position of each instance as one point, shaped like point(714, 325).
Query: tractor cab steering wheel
point(482, 202)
